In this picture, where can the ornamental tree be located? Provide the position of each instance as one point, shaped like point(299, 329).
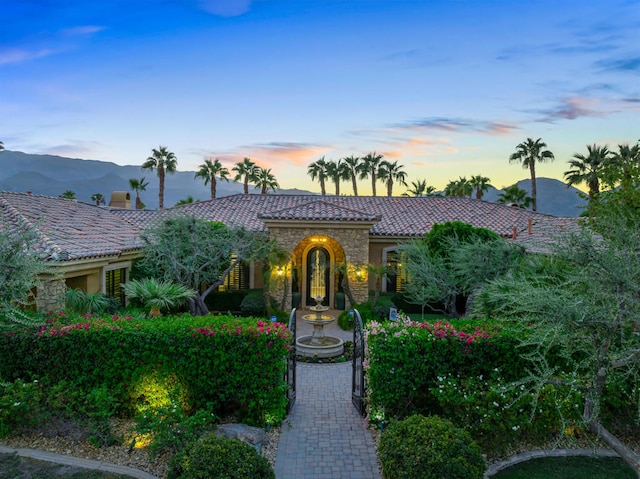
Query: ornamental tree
point(22, 271)
point(578, 314)
point(198, 254)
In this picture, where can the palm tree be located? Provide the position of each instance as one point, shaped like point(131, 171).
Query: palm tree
point(186, 201)
point(390, 172)
point(1, 146)
point(418, 188)
point(208, 172)
point(480, 185)
point(515, 196)
point(624, 166)
point(318, 169)
point(460, 188)
point(337, 172)
point(369, 167)
point(97, 198)
point(352, 169)
point(265, 180)
point(588, 169)
point(68, 195)
point(163, 161)
point(246, 171)
point(138, 186)
point(528, 153)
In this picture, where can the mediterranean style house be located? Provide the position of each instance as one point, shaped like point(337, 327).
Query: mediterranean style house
point(94, 247)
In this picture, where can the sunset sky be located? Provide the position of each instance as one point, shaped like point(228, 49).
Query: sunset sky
point(446, 87)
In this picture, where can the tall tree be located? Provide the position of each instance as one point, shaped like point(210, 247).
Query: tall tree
point(516, 196)
point(164, 162)
point(528, 153)
point(390, 173)
point(480, 185)
point(97, 198)
point(337, 172)
point(352, 168)
point(138, 185)
point(318, 170)
point(417, 188)
point(246, 171)
point(265, 180)
point(588, 169)
point(209, 170)
point(68, 195)
point(370, 168)
point(460, 188)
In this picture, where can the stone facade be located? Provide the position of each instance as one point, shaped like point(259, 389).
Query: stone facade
point(344, 241)
point(50, 296)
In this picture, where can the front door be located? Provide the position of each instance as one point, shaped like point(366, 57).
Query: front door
point(318, 269)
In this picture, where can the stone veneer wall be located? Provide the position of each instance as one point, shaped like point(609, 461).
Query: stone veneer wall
point(350, 242)
point(50, 296)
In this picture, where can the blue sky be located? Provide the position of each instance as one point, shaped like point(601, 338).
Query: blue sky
point(446, 87)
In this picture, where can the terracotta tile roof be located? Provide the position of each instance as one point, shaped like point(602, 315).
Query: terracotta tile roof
point(545, 234)
point(401, 217)
point(69, 229)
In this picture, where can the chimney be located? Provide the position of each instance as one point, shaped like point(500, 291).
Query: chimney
point(120, 199)
point(29, 192)
point(515, 232)
point(529, 225)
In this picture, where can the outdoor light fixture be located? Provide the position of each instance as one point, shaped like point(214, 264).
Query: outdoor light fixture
point(280, 271)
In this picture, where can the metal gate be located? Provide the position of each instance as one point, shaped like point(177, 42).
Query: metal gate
point(291, 364)
point(357, 384)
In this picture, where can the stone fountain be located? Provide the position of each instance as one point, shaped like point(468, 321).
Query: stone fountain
point(318, 344)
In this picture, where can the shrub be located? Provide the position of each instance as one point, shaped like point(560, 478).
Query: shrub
point(225, 301)
point(214, 456)
point(157, 295)
point(19, 406)
point(422, 447)
point(253, 303)
point(81, 302)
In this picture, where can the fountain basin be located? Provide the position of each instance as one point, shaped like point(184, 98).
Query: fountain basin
point(325, 347)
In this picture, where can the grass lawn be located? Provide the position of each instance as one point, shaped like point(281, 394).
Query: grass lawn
point(13, 466)
point(576, 467)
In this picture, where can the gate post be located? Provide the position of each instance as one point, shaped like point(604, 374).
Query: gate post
point(291, 364)
point(357, 383)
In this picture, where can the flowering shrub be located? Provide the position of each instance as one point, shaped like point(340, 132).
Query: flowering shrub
point(470, 375)
point(19, 404)
point(225, 365)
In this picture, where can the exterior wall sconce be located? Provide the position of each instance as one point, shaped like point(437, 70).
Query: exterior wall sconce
point(280, 271)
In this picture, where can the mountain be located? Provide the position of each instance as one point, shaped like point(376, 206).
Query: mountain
point(52, 175)
point(554, 197)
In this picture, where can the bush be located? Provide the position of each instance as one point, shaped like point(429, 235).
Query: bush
point(225, 301)
point(214, 456)
point(253, 303)
point(429, 448)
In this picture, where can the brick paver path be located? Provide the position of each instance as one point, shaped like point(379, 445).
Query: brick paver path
point(324, 437)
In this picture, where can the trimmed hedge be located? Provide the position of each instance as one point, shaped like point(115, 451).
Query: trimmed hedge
point(224, 364)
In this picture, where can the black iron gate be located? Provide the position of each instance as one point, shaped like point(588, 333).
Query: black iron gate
point(357, 384)
point(291, 364)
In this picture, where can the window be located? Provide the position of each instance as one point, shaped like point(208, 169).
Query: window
point(396, 279)
point(113, 279)
point(238, 278)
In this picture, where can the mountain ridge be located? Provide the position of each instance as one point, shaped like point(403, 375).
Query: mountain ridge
point(52, 175)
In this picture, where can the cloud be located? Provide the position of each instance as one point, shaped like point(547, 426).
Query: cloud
point(624, 65)
point(225, 8)
point(76, 149)
point(17, 55)
point(461, 125)
point(570, 109)
point(82, 31)
point(278, 153)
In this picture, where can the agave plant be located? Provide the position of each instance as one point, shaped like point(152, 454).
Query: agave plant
point(157, 295)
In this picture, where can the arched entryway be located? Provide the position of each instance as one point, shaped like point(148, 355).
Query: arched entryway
point(314, 271)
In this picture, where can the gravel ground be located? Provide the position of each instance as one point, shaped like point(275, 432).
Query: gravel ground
point(70, 440)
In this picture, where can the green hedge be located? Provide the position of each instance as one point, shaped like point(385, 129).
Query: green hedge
point(224, 364)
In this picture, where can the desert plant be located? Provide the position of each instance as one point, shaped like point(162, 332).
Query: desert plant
point(157, 295)
point(214, 456)
point(81, 302)
point(429, 447)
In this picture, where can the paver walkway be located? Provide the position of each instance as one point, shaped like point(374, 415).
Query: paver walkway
point(324, 437)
